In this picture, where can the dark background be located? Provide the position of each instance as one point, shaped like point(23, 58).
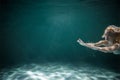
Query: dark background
point(38, 31)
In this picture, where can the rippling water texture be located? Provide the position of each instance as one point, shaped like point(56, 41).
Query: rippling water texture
point(59, 72)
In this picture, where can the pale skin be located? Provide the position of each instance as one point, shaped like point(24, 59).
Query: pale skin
point(108, 45)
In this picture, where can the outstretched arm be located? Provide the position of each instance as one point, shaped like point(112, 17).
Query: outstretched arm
point(100, 43)
point(109, 48)
point(102, 49)
point(89, 45)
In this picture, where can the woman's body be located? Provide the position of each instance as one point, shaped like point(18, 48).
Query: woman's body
point(111, 43)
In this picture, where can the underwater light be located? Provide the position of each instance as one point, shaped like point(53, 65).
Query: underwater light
point(59, 72)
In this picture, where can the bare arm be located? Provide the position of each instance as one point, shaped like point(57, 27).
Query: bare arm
point(89, 45)
point(109, 48)
point(101, 42)
point(102, 49)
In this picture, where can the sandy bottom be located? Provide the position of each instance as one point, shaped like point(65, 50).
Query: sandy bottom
point(58, 72)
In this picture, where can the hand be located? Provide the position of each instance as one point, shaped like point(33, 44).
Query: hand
point(89, 45)
point(80, 41)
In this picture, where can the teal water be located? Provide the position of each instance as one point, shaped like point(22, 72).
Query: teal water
point(46, 32)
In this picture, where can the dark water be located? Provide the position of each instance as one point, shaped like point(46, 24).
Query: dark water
point(42, 35)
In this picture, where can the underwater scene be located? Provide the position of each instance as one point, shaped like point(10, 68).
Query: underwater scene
point(60, 40)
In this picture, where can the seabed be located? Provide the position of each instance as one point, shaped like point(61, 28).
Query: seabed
point(57, 71)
